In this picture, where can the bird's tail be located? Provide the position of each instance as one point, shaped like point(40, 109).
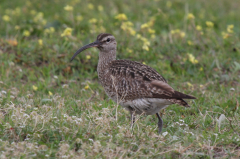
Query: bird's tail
point(182, 95)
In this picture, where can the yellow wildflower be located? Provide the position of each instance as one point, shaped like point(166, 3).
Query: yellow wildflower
point(50, 93)
point(128, 23)
point(209, 24)
point(121, 16)
point(40, 42)
point(144, 63)
point(131, 31)
point(90, 6)
point(190, 42)
point(139, 36)
point(79, 18)
point(144, 26)
point(201, 69)
point(127, 26)
point(124, 26)
point(17, 27)
point(26, 33)
point(33, 12)
point(225, 35)
point(145, 47)
point(178, 32)
point(147, 43)
point(182, 34)
point(189, 84)
point(190, 16)
point(102, 29)
point(17, 11)
point(145, 40)
point(230, 28)
point(153, 36)
point(88, 57)
point(198, 28)
point(49, 30)
point(43, 22)
point(151, 31)
point(151, 21)
point(172, 31)
point(86, 87)
point(39, 18)
point(68, 8)
point(35, 88)
point(46, 31)
point(93, 20)
point(129, 50)
point(67, 32)
point(100, 8)
point(52, 29)
point(192, 59)
point(6, 18)
point(175, 31)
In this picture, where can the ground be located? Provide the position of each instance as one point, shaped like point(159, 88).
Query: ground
point(53, 108)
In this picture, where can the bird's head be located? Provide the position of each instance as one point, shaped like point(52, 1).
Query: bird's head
point(105, 43)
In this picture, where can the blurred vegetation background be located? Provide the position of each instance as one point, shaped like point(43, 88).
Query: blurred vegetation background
point(51, 107)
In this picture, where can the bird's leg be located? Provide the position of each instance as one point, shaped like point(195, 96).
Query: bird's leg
point(132, 118)
point(160, 123)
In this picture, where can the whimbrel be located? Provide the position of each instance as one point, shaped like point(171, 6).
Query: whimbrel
point(137, 87)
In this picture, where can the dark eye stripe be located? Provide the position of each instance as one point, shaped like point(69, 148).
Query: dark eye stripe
point(102, 36)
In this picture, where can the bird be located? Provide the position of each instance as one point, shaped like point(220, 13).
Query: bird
point(137, 87)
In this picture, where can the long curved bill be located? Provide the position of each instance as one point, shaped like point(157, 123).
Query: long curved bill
point(94, 44)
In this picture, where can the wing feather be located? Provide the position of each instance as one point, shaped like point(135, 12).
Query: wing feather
point(135, 80)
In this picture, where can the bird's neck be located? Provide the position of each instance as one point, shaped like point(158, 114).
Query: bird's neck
point(105, 58)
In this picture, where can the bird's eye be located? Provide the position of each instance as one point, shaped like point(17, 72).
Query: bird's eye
point(108, 39)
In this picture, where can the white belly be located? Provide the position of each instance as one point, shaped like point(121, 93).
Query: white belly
point(148, 106)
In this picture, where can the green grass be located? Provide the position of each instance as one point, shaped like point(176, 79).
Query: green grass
point(63, 118)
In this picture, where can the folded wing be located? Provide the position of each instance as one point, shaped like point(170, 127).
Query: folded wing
point(133, 80)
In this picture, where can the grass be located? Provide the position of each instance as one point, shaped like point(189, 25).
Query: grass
point(51, 108)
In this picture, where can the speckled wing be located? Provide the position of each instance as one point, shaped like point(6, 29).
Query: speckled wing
point(133, 80)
